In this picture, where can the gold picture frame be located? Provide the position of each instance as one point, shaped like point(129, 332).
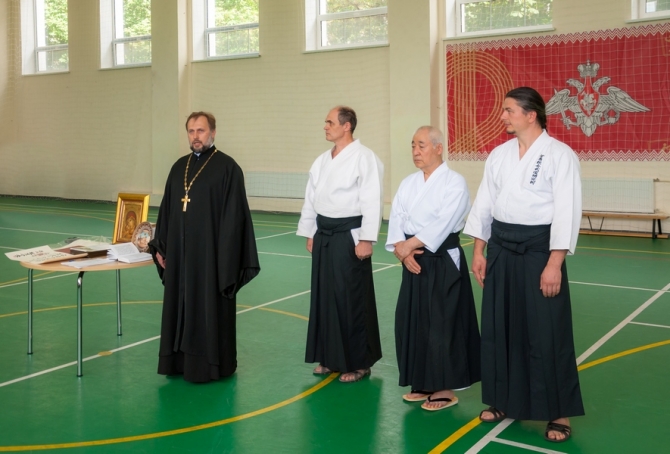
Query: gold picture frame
point(131, 210)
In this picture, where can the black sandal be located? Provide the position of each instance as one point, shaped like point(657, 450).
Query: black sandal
point(497, 415)
point(556, 427)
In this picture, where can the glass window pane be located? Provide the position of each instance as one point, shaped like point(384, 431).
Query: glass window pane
point(652, 6)
point(136, 18)
point(52, 60)
point(354, 30)
point(235, 12)
point(133, 53)
point(340, 6)
point(55, 22)
point(501, 14)
point(233, 42)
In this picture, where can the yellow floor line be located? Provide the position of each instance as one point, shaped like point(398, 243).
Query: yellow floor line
point(25, 278)
point(453, 438)
point(167, 433)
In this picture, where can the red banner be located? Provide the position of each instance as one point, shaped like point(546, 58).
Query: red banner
point(607, 92)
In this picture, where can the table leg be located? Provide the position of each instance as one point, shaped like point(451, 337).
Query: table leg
point(80, 281)
point(30, 311)
point(118, 302)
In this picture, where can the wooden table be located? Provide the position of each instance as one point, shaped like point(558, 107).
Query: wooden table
point(57, 266)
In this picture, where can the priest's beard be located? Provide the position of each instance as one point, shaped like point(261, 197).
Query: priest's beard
point(205, 146)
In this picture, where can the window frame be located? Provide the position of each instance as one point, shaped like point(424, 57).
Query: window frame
point(209, 30)
point(314, 19)
point(639, 11)
point(108, 37)
point(455, 23)
point(32, 33)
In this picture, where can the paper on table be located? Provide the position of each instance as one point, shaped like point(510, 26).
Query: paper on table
point(41, 254)
point(87, 262)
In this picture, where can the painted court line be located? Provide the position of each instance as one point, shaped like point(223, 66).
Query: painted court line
point(492, 435)
point(44, 231)
point(649, 324)
point(36, 280)
point(527, 447)
point(620, 326)
point(272, 236)
point(157, 337)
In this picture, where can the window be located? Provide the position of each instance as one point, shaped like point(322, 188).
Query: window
point(225, 29)
point(650, 9)
point(125, 33)
point(345, 23)
point(44, 36)
point(232, 28)
point(480, 17)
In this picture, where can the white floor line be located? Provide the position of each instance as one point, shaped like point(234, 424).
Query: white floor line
point(44, 231)
point(486, 439)
point(309, 257)
point(620, 326)
point(615, 286)
point(36, 280)
point(85, 210)
point(272, 236)
point(272, 302)
point(74, 363)
point(650, 324)
point(492, 435)
point(11, 248)
point(527, 447)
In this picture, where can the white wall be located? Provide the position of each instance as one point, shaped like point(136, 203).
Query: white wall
point(92, 133)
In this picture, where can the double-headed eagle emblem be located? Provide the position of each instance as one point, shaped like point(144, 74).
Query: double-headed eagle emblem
point(589, 107)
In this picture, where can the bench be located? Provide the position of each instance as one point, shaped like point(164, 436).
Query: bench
point(656, 219)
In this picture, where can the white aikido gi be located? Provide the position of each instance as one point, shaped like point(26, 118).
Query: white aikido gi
point(349, 185)
point(543, 187)
point(429, 209)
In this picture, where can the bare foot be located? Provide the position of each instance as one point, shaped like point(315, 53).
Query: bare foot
point(321, 370)
point(557, 435)
point(351, 377)
point(434, 404)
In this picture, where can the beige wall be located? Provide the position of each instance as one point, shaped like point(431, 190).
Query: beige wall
point(92, 133)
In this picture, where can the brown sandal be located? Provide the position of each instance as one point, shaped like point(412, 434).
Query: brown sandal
point(556, 427)
point(497, 415)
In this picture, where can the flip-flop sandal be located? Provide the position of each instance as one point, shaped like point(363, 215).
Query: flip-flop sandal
point(406, 397)
point(358, 376)
point(324, 370)
point(450, 403)
point(556, 427)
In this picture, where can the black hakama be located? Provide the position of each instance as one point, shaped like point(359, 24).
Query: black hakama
point(343, 331)
point(436, 331)
point(210, 253)
point(529, 369)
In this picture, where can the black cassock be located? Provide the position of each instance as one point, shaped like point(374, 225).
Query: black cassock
point(529, 369)
point(436, 332)
point(210, 253)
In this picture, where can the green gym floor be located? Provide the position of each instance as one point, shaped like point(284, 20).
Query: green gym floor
point(621, 312)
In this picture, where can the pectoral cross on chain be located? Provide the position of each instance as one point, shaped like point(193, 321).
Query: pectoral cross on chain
point(185, 200)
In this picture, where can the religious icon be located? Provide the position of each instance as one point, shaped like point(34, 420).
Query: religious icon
point(142, 235)
point(131, 210)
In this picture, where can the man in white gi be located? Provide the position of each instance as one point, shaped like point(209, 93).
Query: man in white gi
point(341, 218)
point(528, 209)
point(436, 331)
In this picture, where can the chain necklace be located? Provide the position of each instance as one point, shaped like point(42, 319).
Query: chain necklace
point(187, 186)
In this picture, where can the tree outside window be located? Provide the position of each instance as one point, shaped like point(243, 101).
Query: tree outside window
point(132, 32)
point(481, 16)
point(52, 49)
point(232, 27)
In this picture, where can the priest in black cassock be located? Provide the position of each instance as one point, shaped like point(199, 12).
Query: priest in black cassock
point(205, 252)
